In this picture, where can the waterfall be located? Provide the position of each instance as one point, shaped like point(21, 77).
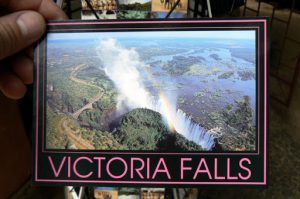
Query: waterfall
point(193, 131)
point(122, 66)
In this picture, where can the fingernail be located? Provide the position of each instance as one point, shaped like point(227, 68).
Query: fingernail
point(31, 24)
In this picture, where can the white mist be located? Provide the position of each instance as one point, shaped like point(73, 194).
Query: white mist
point(121, 66)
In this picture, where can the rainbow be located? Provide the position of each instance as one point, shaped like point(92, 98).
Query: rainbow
point(123, 67)
point(168, 111)
point(165, 106)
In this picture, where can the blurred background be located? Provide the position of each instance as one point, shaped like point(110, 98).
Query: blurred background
point(284, 112)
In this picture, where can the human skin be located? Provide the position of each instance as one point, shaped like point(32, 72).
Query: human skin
point(21, 24)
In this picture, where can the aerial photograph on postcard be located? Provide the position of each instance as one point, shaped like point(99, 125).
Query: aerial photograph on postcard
point(152, 91)
point(134, 9)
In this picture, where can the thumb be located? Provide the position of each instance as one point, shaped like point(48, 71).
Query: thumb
point(19, 30)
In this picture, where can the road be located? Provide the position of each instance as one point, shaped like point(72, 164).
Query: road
point(73, 136)
point(80, 81)
point(76, 140)
point(87, 106)
point(97, 97)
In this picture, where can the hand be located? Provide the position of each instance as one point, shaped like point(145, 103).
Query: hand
point(21, 24)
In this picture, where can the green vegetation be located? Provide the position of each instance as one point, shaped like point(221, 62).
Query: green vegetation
point(246, 74)
point(133, 14)
point(176, 142)
point(58, 126)
point(136, 6)
point(215, 70)
point(140, 129)
point(97, 118)
point(54, 138)
point(144, 129)
point(180, 65)
point(71, 87)
point(199, 94)
point(67, 95)
point(91, 119)
point(242, 117)
point(226, 75)
point(212, 95)
point(197, 69)
point(148, 52)
point(234, 126)
point(201, 69)
point(102, 140)
point(129, 191)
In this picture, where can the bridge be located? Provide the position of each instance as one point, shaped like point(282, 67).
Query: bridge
point(87, 106)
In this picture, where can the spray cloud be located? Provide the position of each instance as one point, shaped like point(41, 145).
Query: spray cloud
point(122, 66)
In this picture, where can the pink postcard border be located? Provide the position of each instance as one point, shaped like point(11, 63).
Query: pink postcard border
point(206, 153)
point(264, 21)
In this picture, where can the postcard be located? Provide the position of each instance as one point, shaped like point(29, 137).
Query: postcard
point(104, 9)
point(134, 9)
point(106, 192)
point(163, 103)
point(160, 8)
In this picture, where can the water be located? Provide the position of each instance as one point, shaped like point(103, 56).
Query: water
point(192, 130)
point(122, 66)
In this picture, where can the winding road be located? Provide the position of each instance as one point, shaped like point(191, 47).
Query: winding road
point(97, 97)
point(75, 139)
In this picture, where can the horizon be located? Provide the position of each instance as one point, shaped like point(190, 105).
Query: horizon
point(218, 35)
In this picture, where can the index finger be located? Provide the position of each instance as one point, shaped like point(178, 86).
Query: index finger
point(47, 8)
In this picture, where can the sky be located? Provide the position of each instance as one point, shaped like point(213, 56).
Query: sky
point(230, 34)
